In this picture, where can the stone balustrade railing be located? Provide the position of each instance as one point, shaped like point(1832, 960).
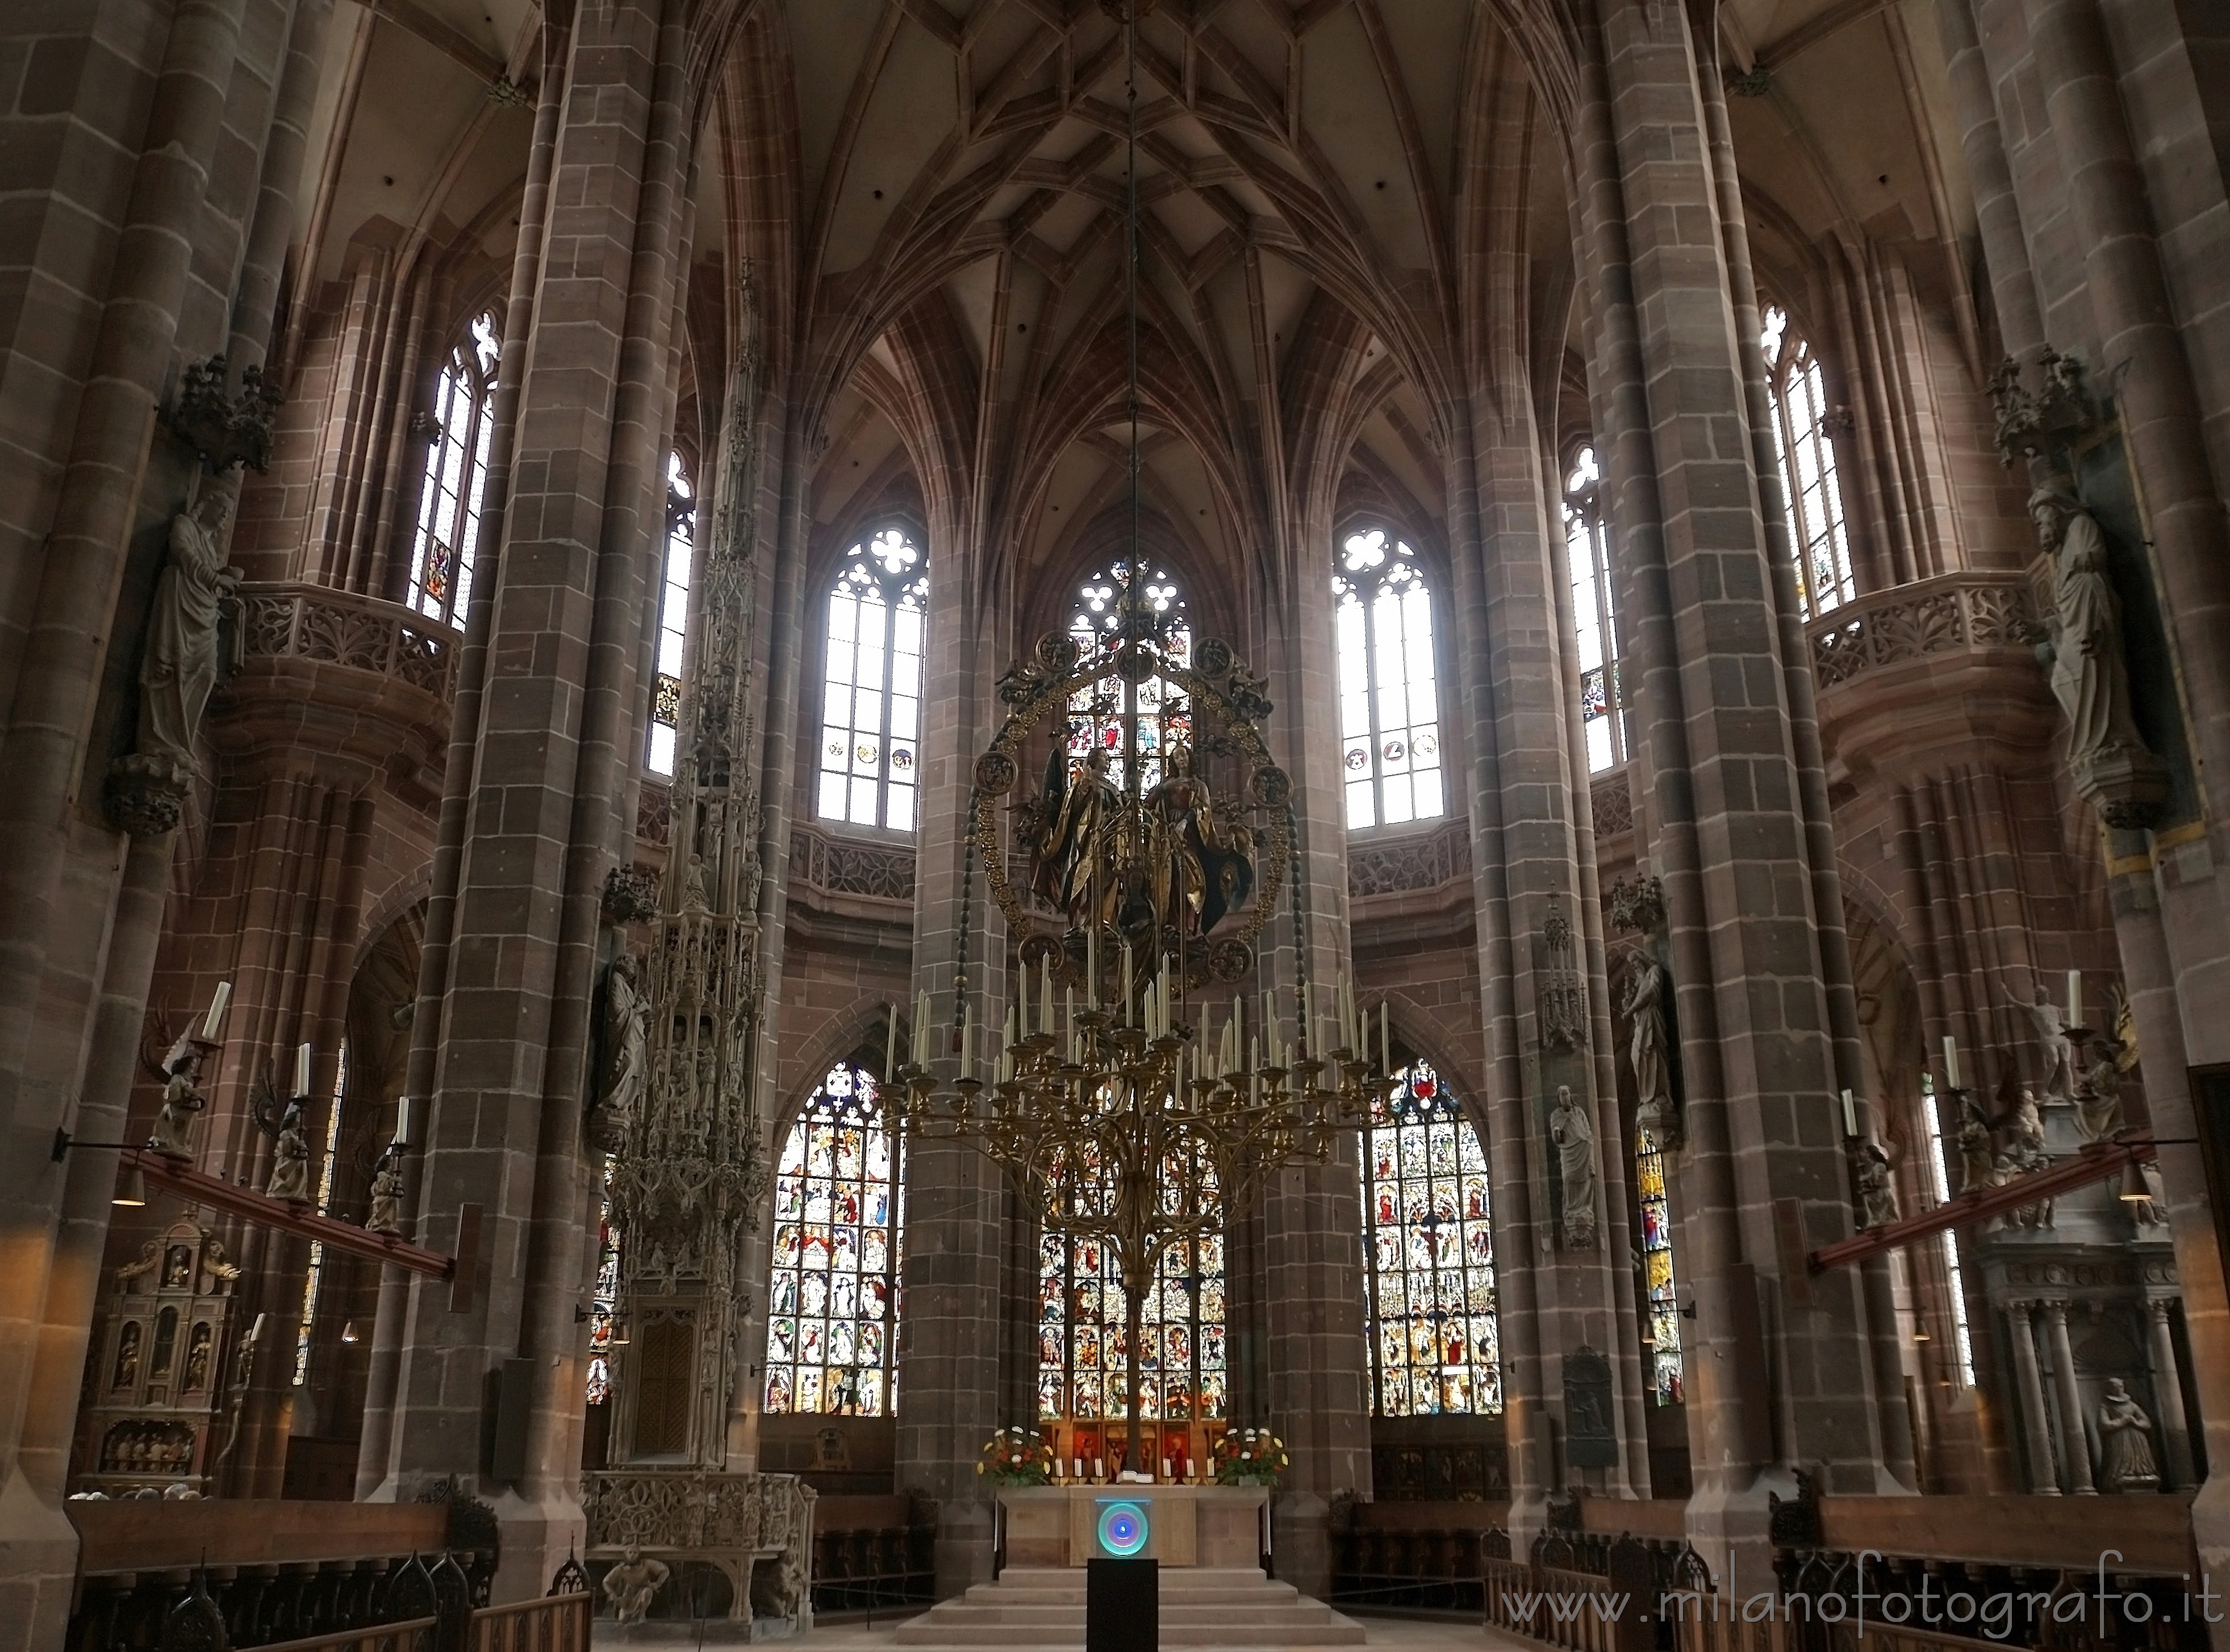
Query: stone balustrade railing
point(293, 620)
point(851, 866)
point(1414, 860)
point(1952, 614)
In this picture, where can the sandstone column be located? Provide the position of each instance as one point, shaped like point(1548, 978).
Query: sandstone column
point(2176, 1468)
point(2075, 1455)
point(2036, 1431)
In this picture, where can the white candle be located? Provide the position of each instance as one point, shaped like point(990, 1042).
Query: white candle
point(1850, 1114)
point(1951, 1061)
point(891, 1042)
point(2075, 998)
point(219, 1001)
point(1385, 1041)
point(1100, 1467)
point(1045, 1003)
point(1165, 1467)
point(302, 1071)
point(967, 1038)
point(1126, 980)
point(403, 1122)
point(1092, 966)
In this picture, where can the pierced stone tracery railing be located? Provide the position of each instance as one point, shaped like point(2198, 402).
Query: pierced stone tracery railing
point(1421, 860)
point(1952, 614)
point(882, 872)
point(290, 619)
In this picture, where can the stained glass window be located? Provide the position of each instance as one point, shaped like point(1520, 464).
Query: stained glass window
point(1389, 711)
point(673, 614)
point(871, 699)
point(1426, 1230)
point(831, 1292)
point(1808, 472)
point(446, 541)
point(1587, 548)
point(317, 1267)
point(1939, 1186)
point(603, 1302)
point(1657, 1281)
point(1096, 713)
point(1083, 1332)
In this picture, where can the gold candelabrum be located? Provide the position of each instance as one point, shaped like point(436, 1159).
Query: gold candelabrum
point(1124, 1125)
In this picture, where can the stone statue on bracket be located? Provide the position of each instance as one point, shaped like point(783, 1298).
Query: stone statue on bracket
point(1978, 1160)
point(1877, 1189)
point(386, 1214)
point(2099, 1100)
point(1573, 1138)
point(1643, 1006)
point(290, 1160)
point(2048, 1023)
point(2111, 767)
point(626, 1056)
point(172, 1134)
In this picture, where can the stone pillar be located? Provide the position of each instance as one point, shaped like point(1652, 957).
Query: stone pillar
point(2036, 1431)
point(948, 1341)
point(1762, 1173)
point(2176, 1467)
point(386, 1352)
point(579, 530)
point(2076, 1456)
point(1997, 210)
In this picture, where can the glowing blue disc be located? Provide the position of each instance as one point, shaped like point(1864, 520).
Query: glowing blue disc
point(1122, 1530)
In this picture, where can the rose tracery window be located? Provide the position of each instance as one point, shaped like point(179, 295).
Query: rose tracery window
point(1801, 436)
point(1427, 1235)
point(870, 697)
point(831, 1292)
point(1096, 712)
point(1587, 548)
point(446, 544)
point(672, 615)
point(1389, 714)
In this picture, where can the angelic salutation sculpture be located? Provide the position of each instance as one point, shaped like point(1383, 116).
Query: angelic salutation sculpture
point(178, 670)
point(1574, 1138)
point(2126, 1446)
point(1869, 1170)
point(1977, 1161)
point(2099, 1102)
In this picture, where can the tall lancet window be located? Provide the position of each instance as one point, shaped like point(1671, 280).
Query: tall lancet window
point(870, 697)
point(831, 1292)
point(1587, 548)
point(448, 540)
point(1096, 713)
point(1801, 434)
point(1083, 1323)
point(1426, 1230)
point(1390, 708)
point(1657, 1283)
point(672, 615)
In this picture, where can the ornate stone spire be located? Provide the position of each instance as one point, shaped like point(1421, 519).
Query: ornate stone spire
point(688, 1171)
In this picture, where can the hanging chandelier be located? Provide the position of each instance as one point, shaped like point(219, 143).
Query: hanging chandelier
point(1129, 1093)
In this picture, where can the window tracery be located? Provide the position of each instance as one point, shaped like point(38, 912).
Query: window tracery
point(1587, 548)
point(1390, 717)
point(1435, 1344)
point(1083, 1332)
point(446, 544)
point(832, 1291)
point(1096, 713)
point(672, 615)
point(1801, 436)
point(870, 697)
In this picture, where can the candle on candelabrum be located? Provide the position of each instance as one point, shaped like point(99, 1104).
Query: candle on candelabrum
point(219, 1001)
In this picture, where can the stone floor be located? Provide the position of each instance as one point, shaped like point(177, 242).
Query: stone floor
point(1408, 1635)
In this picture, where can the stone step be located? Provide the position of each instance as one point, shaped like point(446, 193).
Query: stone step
point(1055, 1594)
point(1034, 1606)
point(1005, 1612)
point(1339, 1631)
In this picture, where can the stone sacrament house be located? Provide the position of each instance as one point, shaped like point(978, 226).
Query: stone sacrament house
point(524, 524)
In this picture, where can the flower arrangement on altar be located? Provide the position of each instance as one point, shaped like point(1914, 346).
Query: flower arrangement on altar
point(1249, 1456)
point(1015, 1456)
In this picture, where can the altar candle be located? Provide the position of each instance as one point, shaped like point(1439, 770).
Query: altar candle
point(891, 1042)
point(1165, 1467)
point(403, 1122)
point(1951, 1061)
point(920, 1027)
point(1385, 1041)
point(1126, 980)
point(1070, 1017)
point(1076, 1469)
point(219, 1001)
point(1850, 1114)
point(1044, 1001)
point(1092, 966)
point(2075, 998)
point(1100, 1467)
point(966, 1037)
point(302, 1071)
